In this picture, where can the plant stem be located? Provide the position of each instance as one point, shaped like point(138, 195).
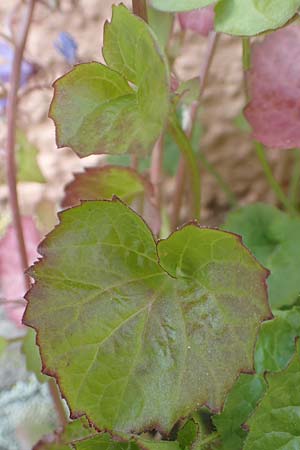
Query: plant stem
point(260, 151)
point(156, 171)
point(185, 147)
point(11, 112)
point(210, 438)
point(12, 100)
point(294, 191)
point(180, 176)
point(139, 8)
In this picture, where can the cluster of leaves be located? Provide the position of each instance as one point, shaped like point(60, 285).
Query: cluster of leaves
point(169, 336)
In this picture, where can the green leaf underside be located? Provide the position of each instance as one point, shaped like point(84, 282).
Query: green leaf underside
point(136, 344)
point(274, 239)
point(119, 107)
point(239, 404)
point(276, 341)
point(275, 424)
point(250, 17)
point(98, 183)
point(180, 5)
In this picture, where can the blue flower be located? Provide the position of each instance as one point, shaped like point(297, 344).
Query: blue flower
point(67, 46)
point(6, 61)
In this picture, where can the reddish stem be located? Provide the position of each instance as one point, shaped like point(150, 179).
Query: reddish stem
point(11, 111)
point(139, 8)
point(181, 173)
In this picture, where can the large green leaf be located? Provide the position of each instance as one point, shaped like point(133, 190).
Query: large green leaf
point(275, 425)
point(119, 107)
point(239, 404)
point(32, 356)
point(274, 239)
point(139, 334)
point(276, 341)
point(250, 17)
point(180, 5)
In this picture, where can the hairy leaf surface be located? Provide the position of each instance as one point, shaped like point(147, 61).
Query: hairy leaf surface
point(275, 424)
point(273, 111)
point(180, 5)
point(274, 239)
point(250, 17)
point(119, 107)
point(139, 334)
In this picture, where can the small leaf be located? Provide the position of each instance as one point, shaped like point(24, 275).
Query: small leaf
point(273, 111)
point(250, 17)
point(62, 439)
point(239, 404)
point(200, 21)
point(275, 424)
point(274, 239)
point(99, 183)
point(276, 341)
point(32, 356)
point(163, 328)
point(187, 434)
point(120, 107)
point(180, 5)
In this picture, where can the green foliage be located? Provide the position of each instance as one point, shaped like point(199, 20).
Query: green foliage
point(104, 109)
point(28, 168)
point(275, 424)
point(140, 333)
point(99, 183)
point(180, 5)
point(187, 434)
point(239, 404)
point(3, 345)
point(276, 341)
point(250, 17)
point(162, 24)
point(32, 356)
point(274, 239)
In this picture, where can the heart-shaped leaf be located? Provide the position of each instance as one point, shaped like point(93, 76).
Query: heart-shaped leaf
point(139, 333)
point(274, 239)
point(180, 5)
point(250, 17)
point(275, 425)
point(119, 107)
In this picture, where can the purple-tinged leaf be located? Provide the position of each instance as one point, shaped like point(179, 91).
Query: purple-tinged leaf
point(139, 333)
point(274, 109)
point(200, 20)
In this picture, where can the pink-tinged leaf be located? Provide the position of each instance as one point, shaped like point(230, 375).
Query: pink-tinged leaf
point(199, 20)
point(274, 86)
point(12, 284)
